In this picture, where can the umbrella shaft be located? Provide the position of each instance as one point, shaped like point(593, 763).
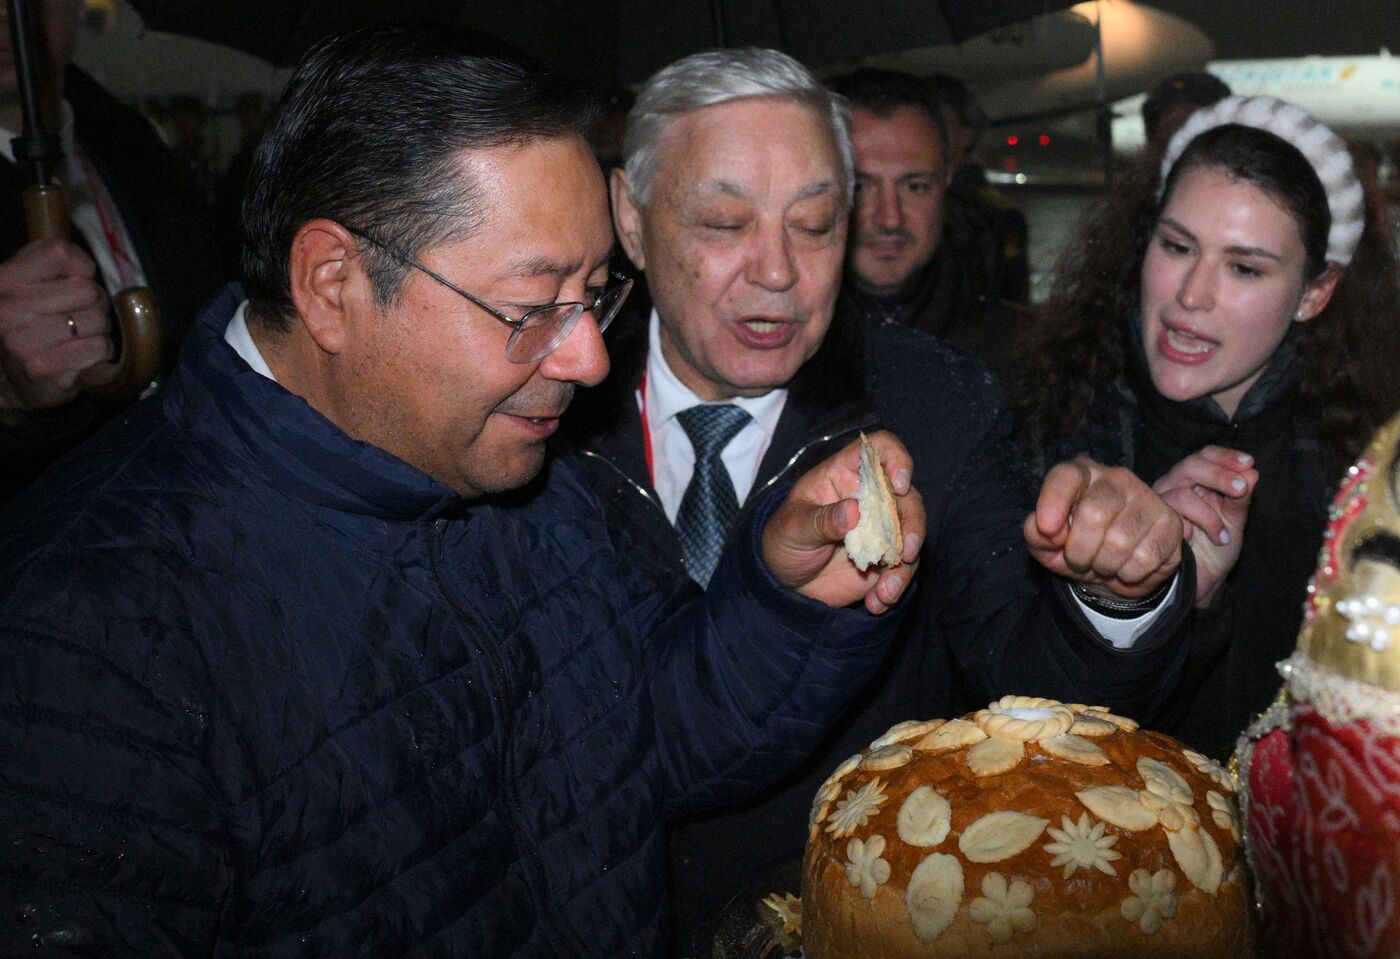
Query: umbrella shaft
point(46, 212)
point(35, 149)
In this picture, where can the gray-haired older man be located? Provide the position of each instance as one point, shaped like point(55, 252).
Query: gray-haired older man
point(734, 200)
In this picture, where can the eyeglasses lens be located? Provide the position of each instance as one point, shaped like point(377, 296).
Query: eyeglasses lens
point(549, 326)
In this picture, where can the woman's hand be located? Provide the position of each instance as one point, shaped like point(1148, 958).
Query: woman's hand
point(1211, 491)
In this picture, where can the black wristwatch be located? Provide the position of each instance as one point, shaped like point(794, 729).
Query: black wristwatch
point(1118, 607)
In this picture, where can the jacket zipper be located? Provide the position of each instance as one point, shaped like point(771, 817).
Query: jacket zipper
point(487, 642)
point(654, 500)
point(508, 785)
point(645, 493)
point(802, 451)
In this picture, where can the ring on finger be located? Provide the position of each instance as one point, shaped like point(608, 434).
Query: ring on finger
point(72, 325)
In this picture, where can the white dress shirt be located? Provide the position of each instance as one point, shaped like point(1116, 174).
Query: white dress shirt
point(673, 458)
point(237, 336)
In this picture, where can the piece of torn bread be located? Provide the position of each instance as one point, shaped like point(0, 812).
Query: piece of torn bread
point(877, 539)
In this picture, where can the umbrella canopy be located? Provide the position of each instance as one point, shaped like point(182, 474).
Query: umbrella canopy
point(606, 42)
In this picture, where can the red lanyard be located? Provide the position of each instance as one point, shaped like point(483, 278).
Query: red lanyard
point(126, 267)
point(646, 430)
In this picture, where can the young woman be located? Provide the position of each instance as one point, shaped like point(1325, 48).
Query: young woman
point(1227, 328)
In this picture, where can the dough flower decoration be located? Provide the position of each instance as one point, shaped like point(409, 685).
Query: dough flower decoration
point(1082, 844)
point(1167, 794)
point(865, 869)
point(998, 734)
point(909, 729)
point(826, 795)
point(1096, 721)
point(1153, 899)
point(1211, 768)
point(786, 920)
point(856, 809)
point(1004, 908)
point(1224, 813)
point(1166, 800)
point(788, 909)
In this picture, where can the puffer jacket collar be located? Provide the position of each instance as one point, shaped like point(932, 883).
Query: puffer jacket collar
point(281, 439)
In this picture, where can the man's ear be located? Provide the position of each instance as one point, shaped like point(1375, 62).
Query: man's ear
point(627, 218)
point(322, 275)
point(1318, 293)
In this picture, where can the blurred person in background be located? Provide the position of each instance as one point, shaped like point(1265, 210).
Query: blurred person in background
point(903, 264)
point(1172, 100)
point(253, 112)
point(987, 228)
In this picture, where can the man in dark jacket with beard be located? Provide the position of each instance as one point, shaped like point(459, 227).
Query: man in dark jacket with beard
point(734, 201)
point(318, 652)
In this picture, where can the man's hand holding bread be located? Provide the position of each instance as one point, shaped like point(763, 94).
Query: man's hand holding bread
point(803, 541)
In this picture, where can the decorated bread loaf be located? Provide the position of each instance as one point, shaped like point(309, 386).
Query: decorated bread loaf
point(1029, 828)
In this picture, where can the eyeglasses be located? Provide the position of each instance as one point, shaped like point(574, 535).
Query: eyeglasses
point(540, 331)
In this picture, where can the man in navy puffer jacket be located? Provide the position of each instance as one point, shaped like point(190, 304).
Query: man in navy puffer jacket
point(317, 653)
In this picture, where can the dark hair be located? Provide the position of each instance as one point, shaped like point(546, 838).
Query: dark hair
point(882, 92)
point(370, 132)
point(1347, 355)
point(1277, 168)
point(953, 93)
point(1196, 87)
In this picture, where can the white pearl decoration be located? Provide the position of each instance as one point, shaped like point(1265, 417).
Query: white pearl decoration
point(1371, 621)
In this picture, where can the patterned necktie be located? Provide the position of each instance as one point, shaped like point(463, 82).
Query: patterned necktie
point(709, 505)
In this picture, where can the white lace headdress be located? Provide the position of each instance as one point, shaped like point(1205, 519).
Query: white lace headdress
point(1323, 149)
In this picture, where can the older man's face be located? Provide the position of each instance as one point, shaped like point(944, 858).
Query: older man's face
point(901, 176)
point(742, 241)
point(428, 379)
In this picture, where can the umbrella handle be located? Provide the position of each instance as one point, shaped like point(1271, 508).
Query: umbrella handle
point(138, 324)
point(138, 357)
point(46, 212)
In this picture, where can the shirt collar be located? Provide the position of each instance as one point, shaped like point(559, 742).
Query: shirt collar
point(237, 336)
point(668, 396)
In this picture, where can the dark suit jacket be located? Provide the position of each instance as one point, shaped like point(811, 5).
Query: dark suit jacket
point(987, 621)
point(169, 226)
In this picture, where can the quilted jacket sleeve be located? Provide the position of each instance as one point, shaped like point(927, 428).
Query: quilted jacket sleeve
point(109, 822)
point(1011, 628)
point(745, 679)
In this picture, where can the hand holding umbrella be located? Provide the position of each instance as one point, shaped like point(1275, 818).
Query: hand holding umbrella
point(53, 321)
